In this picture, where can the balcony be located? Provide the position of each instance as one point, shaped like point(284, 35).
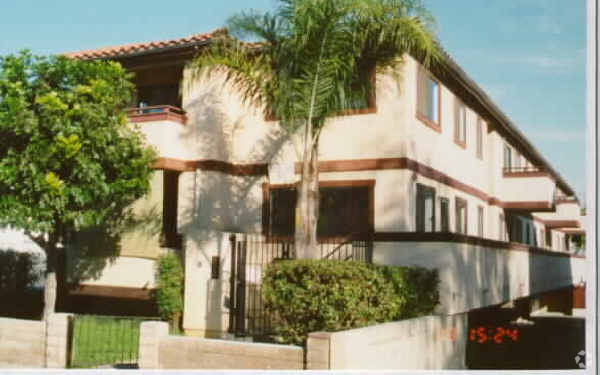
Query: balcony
point(528, 189)
point(566, 217)
point(162, 128)
point(157, 113)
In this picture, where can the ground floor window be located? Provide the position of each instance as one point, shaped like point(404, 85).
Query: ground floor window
point(461, 215)
point(425, 215)
point(445, 214)
point(343, 210)
point(480, 221)
point(502, 233)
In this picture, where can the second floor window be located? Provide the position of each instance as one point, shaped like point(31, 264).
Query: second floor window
point(428, 99)
point(507, 157)
point(425, 208)
point(460, 123)
point(461, 216)
point(480, 138)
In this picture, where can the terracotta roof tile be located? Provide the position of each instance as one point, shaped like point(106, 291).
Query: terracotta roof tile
point(136, 48)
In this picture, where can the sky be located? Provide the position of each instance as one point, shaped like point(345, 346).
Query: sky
point(528, 55)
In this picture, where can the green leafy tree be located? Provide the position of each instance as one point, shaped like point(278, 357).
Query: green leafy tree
point(68, 159)
point(315, 59)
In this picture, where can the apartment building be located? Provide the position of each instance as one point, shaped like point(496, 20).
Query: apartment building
point(431, 170)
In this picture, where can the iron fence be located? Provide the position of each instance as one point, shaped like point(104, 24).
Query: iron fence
point(247, 315)
point(98, 340)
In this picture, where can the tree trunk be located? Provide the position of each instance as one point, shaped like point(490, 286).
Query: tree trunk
point(51, 285)
point(308, 206)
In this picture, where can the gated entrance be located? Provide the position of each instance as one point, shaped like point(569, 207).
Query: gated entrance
point(98, 340)
point(248, 316)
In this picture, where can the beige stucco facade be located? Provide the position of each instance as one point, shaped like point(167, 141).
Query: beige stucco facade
point(224, 137)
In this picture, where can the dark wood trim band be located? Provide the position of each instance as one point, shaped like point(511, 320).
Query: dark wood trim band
point(164, 116)
point(525, 174)
point(258, 169)
point(110, 291)
point(357, 165)
point(561, 223)
point(461, 238)
point(537, 206)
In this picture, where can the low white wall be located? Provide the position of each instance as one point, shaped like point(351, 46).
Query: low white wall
point(426, 343)
point(34, 343)
point(22, 343)
point(161, 351)
point(473, 276)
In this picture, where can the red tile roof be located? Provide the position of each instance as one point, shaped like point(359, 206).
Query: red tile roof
point(140, 48)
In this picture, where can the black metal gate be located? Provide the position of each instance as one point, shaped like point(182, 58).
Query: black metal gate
point(105, 341)
point(248, 316)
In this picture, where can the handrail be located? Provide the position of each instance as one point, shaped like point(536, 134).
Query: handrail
point(348, 240)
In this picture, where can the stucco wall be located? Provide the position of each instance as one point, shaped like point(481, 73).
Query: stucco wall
point(176, 352)
point(426, 343)
point(129, 272)
point(474, 276)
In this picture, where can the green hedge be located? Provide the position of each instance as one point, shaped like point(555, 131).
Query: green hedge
point(306, 296)
point(169, 289)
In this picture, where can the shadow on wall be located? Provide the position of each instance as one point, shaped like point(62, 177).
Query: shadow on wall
point(217, 201)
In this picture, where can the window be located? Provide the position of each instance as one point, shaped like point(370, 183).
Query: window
point(507, 157)
point(502, 229)
point(480, 138)
point(517, 160)
point(549, 239)
point(282, 215)
point(527, 234)
point(428, 100)
point(515, 228)
point(444, 214)
point(425, 215)
point(460, 123)
point(169, 236)
point(542, 238)
point(480, 221)
point(461, 216)
point(343, 211)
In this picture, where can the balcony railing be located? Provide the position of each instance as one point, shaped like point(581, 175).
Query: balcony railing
point(157, 113)
point(522, 170)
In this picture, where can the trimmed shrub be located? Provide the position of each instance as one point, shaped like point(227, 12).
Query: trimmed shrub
point(306, 296)
point(169, 289)
point(417, 287)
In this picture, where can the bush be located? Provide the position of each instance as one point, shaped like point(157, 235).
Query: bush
point(18, 271)
point(306, 296)
point(169, 289)
point(416, 286)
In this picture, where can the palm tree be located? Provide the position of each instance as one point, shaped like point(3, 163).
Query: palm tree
point(313, 60)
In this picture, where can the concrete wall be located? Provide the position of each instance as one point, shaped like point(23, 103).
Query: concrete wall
point(128, 272)
point(425, 343)
point(474, 276)
point(160, 351)
point(34, 344)
point(22, 343)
